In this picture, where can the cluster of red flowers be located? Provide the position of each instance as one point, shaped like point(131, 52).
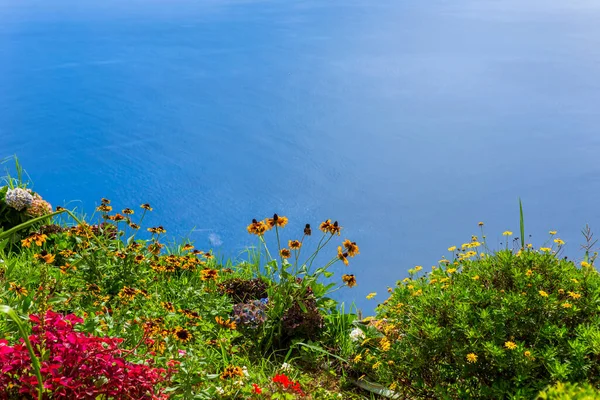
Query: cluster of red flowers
point(75, 365)
point(287, 383)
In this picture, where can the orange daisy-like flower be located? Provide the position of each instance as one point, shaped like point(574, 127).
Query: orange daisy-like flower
point(47, 257)
point(208, 256)
point(351, 248)
point(182, 334)
point(325, 226)
point(276, 221)
point(209, 274)
point(104, 208)
point(257, 228)
point(18, 289)
point(285, 253)
point(118, 217)
point(128, 211)
point(342, 256)
point(187, 247)
point(146, 207)
point(168, 306)
point(349, 280)
point(37, 238)
point(294, 244)
point(158, 230)
point(105, 201)
point(139, 259)
point(133, 225)
point(226, 324)
point(328, 227)
point(231, 372)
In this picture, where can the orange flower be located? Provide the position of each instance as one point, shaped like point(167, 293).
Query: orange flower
point(257, 228)
point(146, 206)
point(226, 324)
point(351, 247)
point(128, 211)
point(294, 244)
point(342, 256)
point(349, 280)
point(276, 221)
point(285, 253)
point(47, 257)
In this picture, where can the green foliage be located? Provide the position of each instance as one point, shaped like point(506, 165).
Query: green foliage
point(570, 391)
point(501, 325)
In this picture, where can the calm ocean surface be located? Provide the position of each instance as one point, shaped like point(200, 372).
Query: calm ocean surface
point(407, 121)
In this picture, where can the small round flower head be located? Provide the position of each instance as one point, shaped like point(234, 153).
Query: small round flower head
point(39, 207)
point(18, 198)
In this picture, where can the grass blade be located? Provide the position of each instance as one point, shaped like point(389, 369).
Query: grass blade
point(34, 360)
point(522, 224)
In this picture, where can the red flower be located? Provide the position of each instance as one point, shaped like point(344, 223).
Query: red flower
point(288, 384)
point(256, 389)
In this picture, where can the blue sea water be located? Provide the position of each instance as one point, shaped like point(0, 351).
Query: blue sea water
point(407, 121)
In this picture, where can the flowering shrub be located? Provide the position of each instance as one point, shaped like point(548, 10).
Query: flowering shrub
point(487, 326)
point(74, 365)
point(570, 391)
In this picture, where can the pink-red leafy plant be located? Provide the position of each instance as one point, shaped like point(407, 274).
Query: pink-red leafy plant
point(74, 365)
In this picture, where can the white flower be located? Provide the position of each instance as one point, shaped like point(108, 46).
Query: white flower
point(286, 367)
point(357, 334)
point(239, 383)
point(245, 369)
point(220, 390)
point(18, 198)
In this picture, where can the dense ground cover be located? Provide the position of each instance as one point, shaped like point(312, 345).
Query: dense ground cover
point(105, 308)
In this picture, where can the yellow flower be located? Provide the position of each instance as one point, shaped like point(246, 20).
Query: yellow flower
point(545, 249)
point(418, 292)
point(527, 354)
point(371, 295)
point(418, 268)
point(472, 358)
point(566, 304)
point(574, 280)
point(453, 248)
point(47, 257)
point(559, 242)
point(385, 344)
point(585, 264)
point(475, 278)
point(510, 345)
point(406, 280)
point(543, 294)
point(451, 270)
point(376, 365)
point(574, 295)
point(552, 233)
point(507, 233)
point(357, 359)
point(529, 246)
point(231, 372)
point(480, 224)
point(529, 272)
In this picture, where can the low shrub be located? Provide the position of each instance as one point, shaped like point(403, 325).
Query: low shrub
point(487, 325)
point(570, 391)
